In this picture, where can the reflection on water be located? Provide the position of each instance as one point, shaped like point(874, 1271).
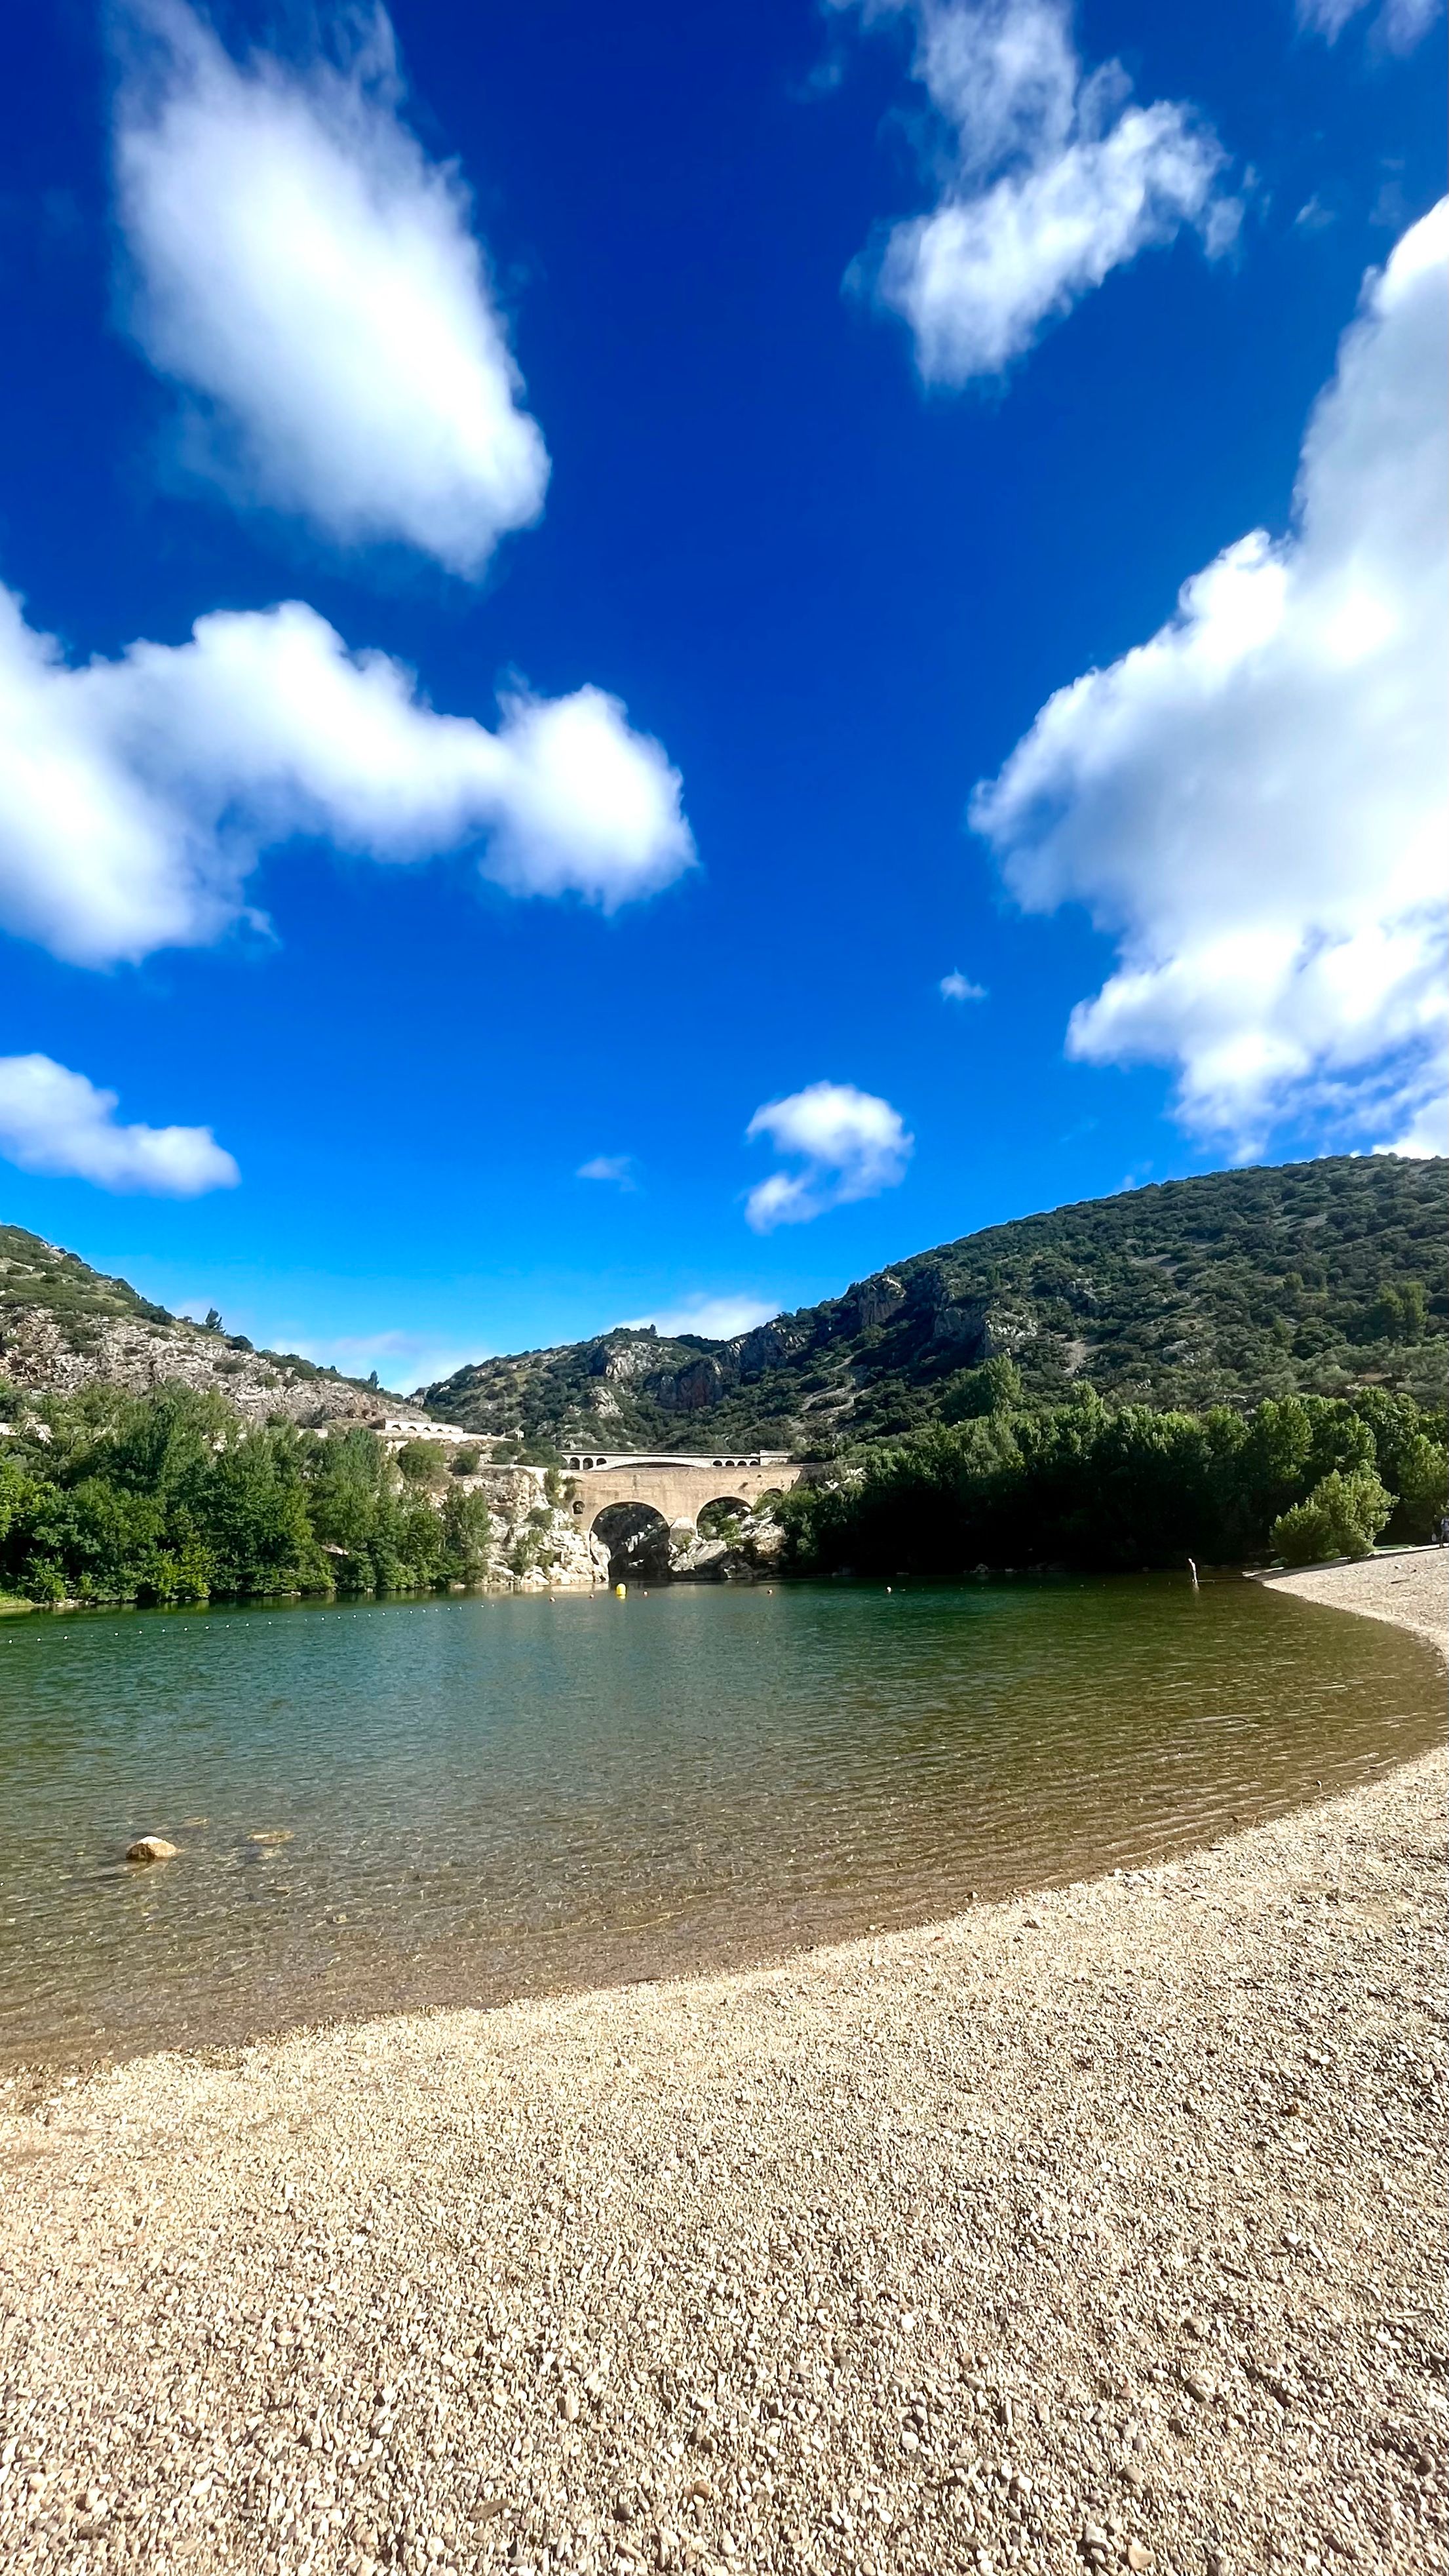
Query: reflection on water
point(462, 1800)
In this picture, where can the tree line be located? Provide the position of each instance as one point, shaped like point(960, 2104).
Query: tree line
point(1082, 1484)
point(171, 1497)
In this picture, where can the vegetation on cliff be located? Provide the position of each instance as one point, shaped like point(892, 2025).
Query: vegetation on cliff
point(1084, 1484)
point(171, 1498)
point(1229, 1288)
point(38, 1275)
point(64, 1326)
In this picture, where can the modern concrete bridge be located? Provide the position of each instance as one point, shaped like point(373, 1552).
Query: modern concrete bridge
point(677, 1488)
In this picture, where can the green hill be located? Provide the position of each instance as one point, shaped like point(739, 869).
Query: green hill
point(1317, 1277)
point(36, 1275)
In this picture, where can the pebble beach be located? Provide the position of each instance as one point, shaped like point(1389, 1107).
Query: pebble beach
point(1099, 2228)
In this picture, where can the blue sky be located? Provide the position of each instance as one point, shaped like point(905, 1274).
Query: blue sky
point(743, 423)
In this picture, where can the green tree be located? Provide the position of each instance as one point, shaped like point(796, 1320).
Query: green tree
point(1399, 1313)
point(422, 1462)
point(466, 1537)
point(1341, 1517)
point(254, 1519)
point(1422, 1481)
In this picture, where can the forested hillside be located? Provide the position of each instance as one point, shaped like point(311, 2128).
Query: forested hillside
point(1231, 1287)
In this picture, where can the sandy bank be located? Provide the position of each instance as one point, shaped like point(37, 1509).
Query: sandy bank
point(1410, 1591)
point(1098, 2226)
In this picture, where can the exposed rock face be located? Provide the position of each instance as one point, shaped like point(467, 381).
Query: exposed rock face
point(46, 1357)
point(694, 1389)
point(537, 1545)
point(876, 1300)
point(752, 1549)
point(1007, 1330)
point(625, 1357)
point(965, 1325)
point(768, 1346)
point(637, 1543)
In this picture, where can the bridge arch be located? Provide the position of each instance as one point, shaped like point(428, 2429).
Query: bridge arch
point(677, 1487)
point(637, 1537)
point(720, 1508)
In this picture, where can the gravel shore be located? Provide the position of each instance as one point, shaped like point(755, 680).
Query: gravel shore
point(1098, 2228)
point(1410, 1591)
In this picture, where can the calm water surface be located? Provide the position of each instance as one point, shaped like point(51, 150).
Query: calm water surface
point(498, 1796)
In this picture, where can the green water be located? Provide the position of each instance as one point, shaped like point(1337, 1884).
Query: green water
point(495, 1796)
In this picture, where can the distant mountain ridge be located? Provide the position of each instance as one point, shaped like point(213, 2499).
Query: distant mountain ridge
point(1223, 1288)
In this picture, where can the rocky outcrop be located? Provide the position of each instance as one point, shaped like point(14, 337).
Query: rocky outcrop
point(695, 1388)
point(875, 1301)
point(45, 1355)
point(536, 1545)
point(754, 1547)
point(964, 1327)
point(625, 1357)
point(1007, 1331)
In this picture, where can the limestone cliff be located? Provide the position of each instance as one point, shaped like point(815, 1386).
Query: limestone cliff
point(537, 1546)
point(64, 1326)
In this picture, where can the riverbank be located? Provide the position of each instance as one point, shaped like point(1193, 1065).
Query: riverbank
point(1409, 1588)
point(1102, 2222)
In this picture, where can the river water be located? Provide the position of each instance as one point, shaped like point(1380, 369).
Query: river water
point(478, 1798)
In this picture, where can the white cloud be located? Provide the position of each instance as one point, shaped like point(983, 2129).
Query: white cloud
point(1253, 802)
point(715, 1319)
point(957, 987)
point(1050, 178)
point(1399, 25)
point(136, 795)
point(618, 1168)
point(849, 1145)
point(56, 1122)
point(402, 1359)
point(300, 267)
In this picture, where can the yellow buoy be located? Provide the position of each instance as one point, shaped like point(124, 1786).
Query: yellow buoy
point(621, 1592)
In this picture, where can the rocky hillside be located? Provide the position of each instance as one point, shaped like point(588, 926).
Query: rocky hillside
point(64, 1326)
point(1224, 1288)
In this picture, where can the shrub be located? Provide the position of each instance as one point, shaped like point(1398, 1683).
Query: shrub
point(1341, 1517)
point(422, 1462)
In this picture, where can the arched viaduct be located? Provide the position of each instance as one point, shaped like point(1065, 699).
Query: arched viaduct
point(677, 1488)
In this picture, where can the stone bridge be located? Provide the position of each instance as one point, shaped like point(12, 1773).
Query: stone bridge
point(677, 1488)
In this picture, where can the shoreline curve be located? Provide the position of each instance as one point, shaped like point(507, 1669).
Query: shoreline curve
point(1088, 2227)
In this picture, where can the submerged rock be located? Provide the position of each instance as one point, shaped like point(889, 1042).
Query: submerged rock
point(151, 1847)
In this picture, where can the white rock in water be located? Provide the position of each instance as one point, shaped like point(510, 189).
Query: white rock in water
point(151, 1847)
